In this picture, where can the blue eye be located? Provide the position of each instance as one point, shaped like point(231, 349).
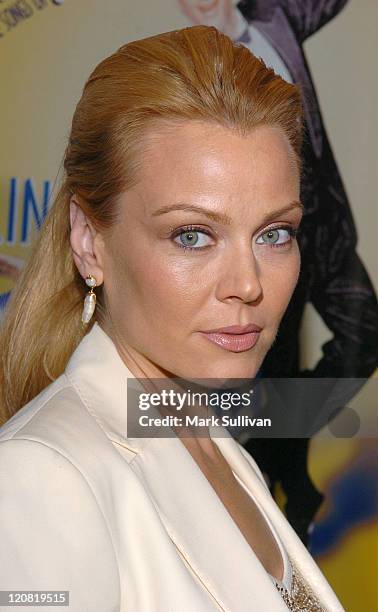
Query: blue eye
point(189, 238)
point(277, 236)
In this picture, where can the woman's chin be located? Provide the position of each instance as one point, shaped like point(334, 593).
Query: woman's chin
point(217, 379)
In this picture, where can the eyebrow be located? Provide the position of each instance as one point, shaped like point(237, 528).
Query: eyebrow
point(221, 217)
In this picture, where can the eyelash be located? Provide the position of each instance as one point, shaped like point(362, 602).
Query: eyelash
point(293, 232)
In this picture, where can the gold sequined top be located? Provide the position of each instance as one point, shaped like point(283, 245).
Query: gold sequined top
point(300, 598)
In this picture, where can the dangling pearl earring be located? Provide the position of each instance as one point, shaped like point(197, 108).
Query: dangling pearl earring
point(90, 300)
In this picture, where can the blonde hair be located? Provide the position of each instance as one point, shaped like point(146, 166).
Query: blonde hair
point(196, 73)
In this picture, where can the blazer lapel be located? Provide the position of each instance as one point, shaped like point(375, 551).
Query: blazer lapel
point(192, 513)
point(202, 529)
point(295, 548)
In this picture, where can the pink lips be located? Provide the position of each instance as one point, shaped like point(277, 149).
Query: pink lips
point(235, 337)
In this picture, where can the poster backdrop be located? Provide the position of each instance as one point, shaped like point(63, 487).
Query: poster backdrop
point(47, 50)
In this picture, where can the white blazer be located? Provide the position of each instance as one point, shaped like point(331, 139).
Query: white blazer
point(126, 524)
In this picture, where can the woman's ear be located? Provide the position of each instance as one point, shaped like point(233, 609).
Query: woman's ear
point(84, 246)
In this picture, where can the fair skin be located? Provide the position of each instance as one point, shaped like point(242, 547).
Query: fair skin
point(222, 14)
point(160, 296)
point(170, 294)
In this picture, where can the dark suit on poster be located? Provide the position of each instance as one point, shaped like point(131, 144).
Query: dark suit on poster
point(332, 277)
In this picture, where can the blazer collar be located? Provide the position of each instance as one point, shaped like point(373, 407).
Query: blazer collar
point(192, 513)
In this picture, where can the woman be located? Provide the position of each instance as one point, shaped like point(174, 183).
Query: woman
point(179, 209)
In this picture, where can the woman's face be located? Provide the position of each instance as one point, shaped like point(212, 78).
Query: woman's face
point(234, 201)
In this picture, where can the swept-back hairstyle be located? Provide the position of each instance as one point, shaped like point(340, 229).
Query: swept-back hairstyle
point(196, 73)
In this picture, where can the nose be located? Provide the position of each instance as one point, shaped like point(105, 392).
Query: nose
point(240, 277)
